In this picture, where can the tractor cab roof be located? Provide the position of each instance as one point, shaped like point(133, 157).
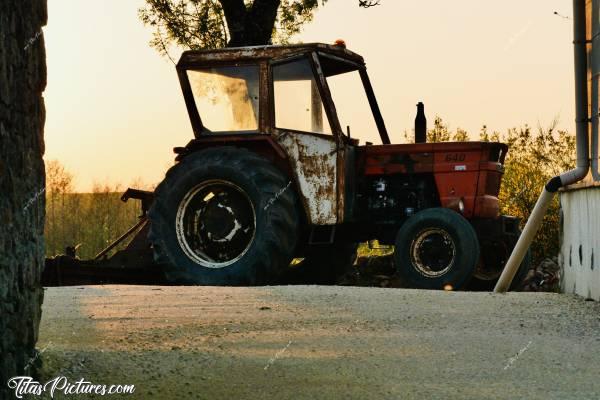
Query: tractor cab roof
point(256, 68)
point(195, 58)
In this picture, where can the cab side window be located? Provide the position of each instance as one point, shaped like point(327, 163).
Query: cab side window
point(298, 104)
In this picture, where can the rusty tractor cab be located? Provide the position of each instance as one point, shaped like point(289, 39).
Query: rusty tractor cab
point(271, 175)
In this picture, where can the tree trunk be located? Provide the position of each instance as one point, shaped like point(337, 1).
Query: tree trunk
point(260, 21)
point(250, 26)
point(22, 182)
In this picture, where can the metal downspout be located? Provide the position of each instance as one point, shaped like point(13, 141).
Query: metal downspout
point(583, 163)
point(595, 67)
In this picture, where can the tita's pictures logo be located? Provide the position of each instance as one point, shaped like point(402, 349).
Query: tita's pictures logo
point(27, 386)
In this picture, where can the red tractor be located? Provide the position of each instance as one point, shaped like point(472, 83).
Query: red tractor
point(271, 176)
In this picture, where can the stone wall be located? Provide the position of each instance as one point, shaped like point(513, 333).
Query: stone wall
point(22, 182)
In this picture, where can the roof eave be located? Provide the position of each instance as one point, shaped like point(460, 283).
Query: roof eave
point(192, 58)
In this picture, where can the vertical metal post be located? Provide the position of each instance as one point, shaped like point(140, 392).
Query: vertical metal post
point(385, 139)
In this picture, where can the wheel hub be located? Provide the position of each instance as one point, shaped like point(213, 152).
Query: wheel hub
point(217, 220)
point(433, 252)
point(215, 223)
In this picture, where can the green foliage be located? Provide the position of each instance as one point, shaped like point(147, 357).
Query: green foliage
point(533, 158)
point(91, 219)
point(205, 24)
point(440, 133)
point(292, 15)
point(373, 248)
point(189, 24)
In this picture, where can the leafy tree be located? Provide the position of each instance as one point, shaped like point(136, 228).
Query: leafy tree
point(204, 24)
point(533, 158)
point(440, 133)
point(90, 219)
point(460, 135)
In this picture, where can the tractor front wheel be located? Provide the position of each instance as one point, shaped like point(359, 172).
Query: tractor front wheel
point(436, 248)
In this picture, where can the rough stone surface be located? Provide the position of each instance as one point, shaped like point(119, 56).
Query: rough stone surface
point(22, 200)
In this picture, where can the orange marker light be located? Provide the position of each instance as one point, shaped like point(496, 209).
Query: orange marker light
point(448, 288)
point(341, 43)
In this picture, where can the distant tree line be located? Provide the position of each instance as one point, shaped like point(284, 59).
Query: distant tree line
point(92, 220)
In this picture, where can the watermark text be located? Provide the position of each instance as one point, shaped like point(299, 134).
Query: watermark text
point(27, 386)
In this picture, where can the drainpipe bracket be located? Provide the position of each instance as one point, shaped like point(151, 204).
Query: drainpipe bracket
point(554, 184)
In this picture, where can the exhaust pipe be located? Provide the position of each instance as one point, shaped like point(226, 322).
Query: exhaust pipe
point(583, 162)
point(420, 124)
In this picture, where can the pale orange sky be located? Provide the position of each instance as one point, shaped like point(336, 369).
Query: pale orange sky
point(115, 111)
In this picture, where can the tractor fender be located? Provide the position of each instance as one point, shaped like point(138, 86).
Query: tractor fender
point(261, 144)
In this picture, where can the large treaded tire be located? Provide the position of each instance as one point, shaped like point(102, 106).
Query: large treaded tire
point(275, 213)
point(452, 227)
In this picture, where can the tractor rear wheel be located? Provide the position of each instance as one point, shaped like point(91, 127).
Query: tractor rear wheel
point(436, 248)
point(223, 216)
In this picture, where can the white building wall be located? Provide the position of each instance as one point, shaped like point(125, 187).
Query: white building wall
point(580, 241)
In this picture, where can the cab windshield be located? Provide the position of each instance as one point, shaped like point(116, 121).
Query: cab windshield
point(349, 96)
point(226, 97)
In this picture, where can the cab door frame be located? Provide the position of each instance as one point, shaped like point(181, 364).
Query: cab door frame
point(317, 160)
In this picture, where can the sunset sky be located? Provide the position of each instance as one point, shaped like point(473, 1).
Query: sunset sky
point(115, 111)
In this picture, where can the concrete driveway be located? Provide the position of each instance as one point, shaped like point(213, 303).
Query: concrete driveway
point(316, 342)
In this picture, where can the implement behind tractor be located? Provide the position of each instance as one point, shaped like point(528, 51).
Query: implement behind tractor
point(271, 176)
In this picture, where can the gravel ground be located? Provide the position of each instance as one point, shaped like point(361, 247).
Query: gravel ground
point(317, 342)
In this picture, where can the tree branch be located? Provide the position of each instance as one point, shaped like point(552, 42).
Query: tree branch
point(368, 3)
